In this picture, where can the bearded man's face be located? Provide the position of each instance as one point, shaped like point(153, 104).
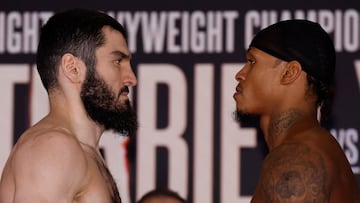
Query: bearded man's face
point(103, 106)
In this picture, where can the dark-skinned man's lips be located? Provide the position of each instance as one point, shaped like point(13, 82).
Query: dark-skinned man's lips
point(238, 91)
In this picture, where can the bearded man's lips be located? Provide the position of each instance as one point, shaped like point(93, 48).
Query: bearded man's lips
point(124, 91)
point(123, 95)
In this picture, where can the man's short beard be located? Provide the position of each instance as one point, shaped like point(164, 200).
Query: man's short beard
point(245, 119)
point(103, 106)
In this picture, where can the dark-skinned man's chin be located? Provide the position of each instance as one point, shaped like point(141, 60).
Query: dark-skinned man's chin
point(246, 119)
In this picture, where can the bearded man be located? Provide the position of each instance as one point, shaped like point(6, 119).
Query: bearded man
point(84, 64)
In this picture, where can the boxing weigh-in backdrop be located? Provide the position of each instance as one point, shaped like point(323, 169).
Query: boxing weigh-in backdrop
point(186, 55)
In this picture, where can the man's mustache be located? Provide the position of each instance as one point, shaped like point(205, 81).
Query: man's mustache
point(124, 89)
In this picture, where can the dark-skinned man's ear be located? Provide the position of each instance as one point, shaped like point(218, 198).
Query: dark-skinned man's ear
point(291, 72)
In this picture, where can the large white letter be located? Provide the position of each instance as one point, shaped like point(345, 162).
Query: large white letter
point(233, 139)
point(230, 17)
point(351, 30)
point(2, 32)
point(132, 25)
point(197, 36)
point(39, 98)
point(150, 137)
point(252, 20)
point(203, 132)
point(153, 29)
point(9, 76)
point(30, 32)
point(214, 32)
point(173, 32)
point(13, 36)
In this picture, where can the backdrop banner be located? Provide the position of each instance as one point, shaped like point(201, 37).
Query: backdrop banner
point(185, 56)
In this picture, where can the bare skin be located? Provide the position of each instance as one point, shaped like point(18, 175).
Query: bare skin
point(58, 159)
point(305, 163)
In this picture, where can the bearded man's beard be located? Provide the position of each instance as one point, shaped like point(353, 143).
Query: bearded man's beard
point(103, 106)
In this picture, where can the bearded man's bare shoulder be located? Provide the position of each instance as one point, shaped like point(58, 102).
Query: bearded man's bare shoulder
point(49, 152)
point(48, 139)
